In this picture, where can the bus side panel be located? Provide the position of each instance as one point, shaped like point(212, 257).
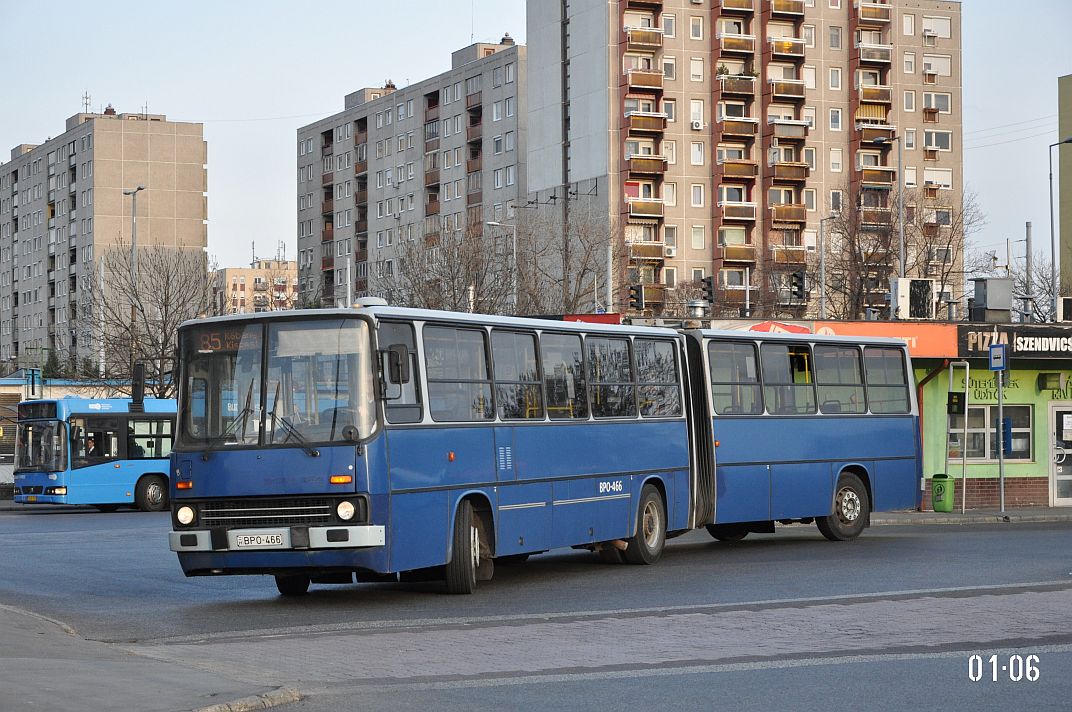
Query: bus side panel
point(895, 485)
point(107, 483)
point(743, 493)
point(591, 510)
point(441, 457)
point(419, 533)
point(524, 518)
point(801, 490)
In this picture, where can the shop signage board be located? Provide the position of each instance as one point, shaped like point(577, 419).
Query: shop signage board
point(1023, 341)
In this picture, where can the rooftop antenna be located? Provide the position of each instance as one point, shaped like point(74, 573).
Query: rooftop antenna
point(253, 249)
point(86, 101)
point(472, 20)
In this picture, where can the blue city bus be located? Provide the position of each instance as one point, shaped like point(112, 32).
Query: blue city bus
point(105, 452)
point(370, 443)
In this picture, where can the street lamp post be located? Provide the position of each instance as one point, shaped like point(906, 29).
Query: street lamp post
point(822, 265)
point(513, 254)
point(133, 193)
point(1053, 243)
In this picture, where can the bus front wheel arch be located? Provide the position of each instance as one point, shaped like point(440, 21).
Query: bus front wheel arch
point(151, 493)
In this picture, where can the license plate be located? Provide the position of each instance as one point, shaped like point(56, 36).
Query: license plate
point(259, 541)
point(31, 498)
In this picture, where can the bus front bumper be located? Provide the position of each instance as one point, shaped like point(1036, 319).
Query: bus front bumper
point(277, 538)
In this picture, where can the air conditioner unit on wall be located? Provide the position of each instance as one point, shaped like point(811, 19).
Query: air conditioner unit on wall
point(697, 126)
point(669, 251)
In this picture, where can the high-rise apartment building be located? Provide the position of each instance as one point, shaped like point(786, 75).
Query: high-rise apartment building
point(266, 285)
point(720, 133)
point(62, 205)
point(398, 166)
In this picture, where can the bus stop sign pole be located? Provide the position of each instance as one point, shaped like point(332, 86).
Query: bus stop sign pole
point(958, 405)
point(998, 364)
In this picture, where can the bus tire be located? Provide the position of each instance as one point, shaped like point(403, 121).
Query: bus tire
point(292, 585)
point(646, 547)
point(465, 552)
point(851, 506)
point(726, 532)
point(150, 494)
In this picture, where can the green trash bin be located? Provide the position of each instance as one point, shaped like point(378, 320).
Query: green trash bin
point(942, 488)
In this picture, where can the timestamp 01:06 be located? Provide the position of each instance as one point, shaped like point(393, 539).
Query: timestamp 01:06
point(997, 667)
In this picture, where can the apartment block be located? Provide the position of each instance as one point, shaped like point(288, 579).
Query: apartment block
point(62, 205)
point(723, 134)
point(266, 285)
point(400, 166)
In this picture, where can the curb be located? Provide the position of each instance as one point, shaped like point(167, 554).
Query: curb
point(273, 698)
point(970, 519)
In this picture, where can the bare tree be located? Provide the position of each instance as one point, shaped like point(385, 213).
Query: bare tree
point(133, 314)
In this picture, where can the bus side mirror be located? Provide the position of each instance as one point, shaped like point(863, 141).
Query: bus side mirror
point(398, 363)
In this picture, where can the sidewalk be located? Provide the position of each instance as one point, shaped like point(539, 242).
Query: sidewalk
point(974, 516)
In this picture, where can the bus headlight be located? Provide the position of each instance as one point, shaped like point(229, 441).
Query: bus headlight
point(345, 510)
point(56, 490)
point(185, 515)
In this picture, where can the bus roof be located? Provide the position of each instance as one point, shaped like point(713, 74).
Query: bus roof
point(390, 312)
point(72, 404)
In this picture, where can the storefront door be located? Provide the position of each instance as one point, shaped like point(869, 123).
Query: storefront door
point(1061, 454)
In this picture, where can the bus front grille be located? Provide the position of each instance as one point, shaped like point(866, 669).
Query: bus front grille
point(242, 513)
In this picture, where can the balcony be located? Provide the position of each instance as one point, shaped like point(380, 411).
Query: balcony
point(645, 39)
point(875, 53)
point(738, 5)
point(870, 132)
point(789, 254)
point(645, 121)
point(327, 178)
point(647, 251)
point(743, 85)
point(431, 207)
point(744, 126)
point(737, 253)
point(794, 8)
point(737, 210)
point(362, 226)
point(788, 129)
point(360, 167)
point(883, 176)
point(787, 47)
point(328, 234)
point(738, 168)
point(474, 165)
point(876, 94)
point(787, 88)
point(328, 206)
point(474, 197)
point(646, 164)
point(875, 216)
point(326, 149)
point(473, 101)
point(788, 212)
point(474, 132)
point(790, 171)
point(645, 207)
point(737, 44)
point(431, 177)
point(930, 115)
point(361, 196)
point(327, 263)
point(872, 12)
point(431, 113)
point(644, 79)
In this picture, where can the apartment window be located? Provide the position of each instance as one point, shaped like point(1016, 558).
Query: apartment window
point(669, 25)
point(835, 201)
point(670, 194)
point(670, 109)
point(941, 140)
point(835, 119)
point(696, 110)
point(835, 160)
point(808, 115)
point(809, 199)
point(940, 64)
point(809, 35)
point(498, 178)
point(696, 73)
point(909, 62)
point(835, 78)
point(497, 145)
point(669, 68)
point(910, 177)
point(732, 236)
point(509, 140)
point(510, 75)
point(835, 37)
point(809, 157)
point(835, 4)
point(909, 101)
point(496, 111)
point(910, 139)
point(670, 277)
point(511, 175)
point(809, 77)
point(696, 28)
point(937, 26)
point(697, 274)
point(669, 150)
point(698, 237)
point(497, 77)
point(908, 25)
point(696, 153)
point(697, 195)
point(942, 102)
point(509, 105)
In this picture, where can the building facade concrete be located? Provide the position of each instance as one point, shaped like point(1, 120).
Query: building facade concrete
point(396, 166)
point(62, 206)
point(1062, 166)
point(266, 285)
point(720, 133)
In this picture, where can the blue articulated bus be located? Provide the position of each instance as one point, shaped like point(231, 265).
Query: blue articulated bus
point(106, 452)
point(320, 446)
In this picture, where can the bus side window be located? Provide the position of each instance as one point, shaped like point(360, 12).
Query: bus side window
point(563, 376)
point(403, 400)
point(734, 378)
point(887, 383)
point(788, 388)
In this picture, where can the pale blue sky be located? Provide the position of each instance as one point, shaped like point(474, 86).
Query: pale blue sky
point(254, 72)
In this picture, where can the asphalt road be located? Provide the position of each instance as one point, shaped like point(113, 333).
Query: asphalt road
point(788, 620)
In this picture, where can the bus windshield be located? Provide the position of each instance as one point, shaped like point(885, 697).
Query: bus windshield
point(40, 446)
point(283, 382)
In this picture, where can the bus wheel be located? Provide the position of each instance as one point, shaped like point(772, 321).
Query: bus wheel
point(724, 532)
point(292, 585)
point(461, 570)
point(647, 546)
point(851, 506)
point(151, 494)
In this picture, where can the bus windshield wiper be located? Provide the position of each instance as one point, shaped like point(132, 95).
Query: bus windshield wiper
point(292, 432)
point(242, 417)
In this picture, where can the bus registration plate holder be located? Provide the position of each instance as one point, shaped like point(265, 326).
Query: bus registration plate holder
point(262, 539)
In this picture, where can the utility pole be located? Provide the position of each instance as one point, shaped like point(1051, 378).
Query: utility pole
point(1029, 298)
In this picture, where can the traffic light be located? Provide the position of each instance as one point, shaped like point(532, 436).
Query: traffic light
point(796, 285)
point(708, 285)
point(636, 297)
